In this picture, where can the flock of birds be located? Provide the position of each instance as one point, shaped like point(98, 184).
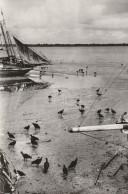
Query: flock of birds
point(82, 110)
point(34, 142)
point(107, 110)
point(82, 107)
point(113, 112)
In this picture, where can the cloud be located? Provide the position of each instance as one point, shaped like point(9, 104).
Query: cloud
point(67, 21)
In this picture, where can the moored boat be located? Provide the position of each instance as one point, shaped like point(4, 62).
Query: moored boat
point(5, 72)
point(19, 59)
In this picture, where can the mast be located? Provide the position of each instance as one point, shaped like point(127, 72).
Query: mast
point(9, 44)
point(2, 29)
point(0, 40)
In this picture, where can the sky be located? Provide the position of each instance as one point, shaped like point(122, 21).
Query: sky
point(67, 21)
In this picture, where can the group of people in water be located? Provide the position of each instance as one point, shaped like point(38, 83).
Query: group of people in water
point(81, 72)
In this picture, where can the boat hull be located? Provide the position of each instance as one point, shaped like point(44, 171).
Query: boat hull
point(14, 72)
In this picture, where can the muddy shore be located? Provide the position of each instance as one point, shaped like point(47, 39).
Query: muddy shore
point(19, 109)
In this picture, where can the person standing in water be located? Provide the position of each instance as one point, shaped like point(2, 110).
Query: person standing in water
point(122, 119)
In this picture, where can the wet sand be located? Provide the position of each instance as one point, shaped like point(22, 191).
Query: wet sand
point(19, 109)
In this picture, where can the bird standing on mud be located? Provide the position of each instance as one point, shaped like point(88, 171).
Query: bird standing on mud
point(59, 91)
point(20, 173)
point(99, 94)
point(49, 97)
point(12, 143)
point(36, 125)
point(113, 111)
point(100, 115)
point(34, 138)
point(82, 106)
point(27, 127)
point(73, 164)
point(82, 111)
point(46, 166)
point(78, 100)
point(107, 109)
point(11, 135)
point(98, 90)
point(34, 142)
point(37, 161)
point(99, 111)
point(65, 170)
point(25, 156)
point(61, 112)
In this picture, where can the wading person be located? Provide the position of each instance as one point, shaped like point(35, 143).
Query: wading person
point(122, 118)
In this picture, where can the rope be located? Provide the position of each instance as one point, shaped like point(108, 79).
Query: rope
point(103, 93)
point(115, 79)
point(103, 140)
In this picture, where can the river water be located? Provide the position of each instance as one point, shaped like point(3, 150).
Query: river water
point(19, 108)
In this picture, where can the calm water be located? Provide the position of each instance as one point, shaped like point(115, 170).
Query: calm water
point(89, 55)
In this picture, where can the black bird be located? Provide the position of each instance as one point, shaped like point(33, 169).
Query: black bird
point(82, 106)
point(98, 90)
point(37, 161)
point(25, 156)
point(99, 111)
point(46, 166)
point(11, 135)
point(49, 97)
point(34, 138)
point(61, 112)
point(73, 164)
point(78, 100)
point(12, 143)
point(100, 115)
point(65, 170)
point(99, 94)
point(59, 90)
point(27, 127)
point(36, 125)
point(81, 111)
point(113, 111)
point(107, 109)
point(19, 172)
point(34, 142)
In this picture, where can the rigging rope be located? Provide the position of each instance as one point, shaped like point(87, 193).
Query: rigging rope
point(103, 140)
point(102, 94)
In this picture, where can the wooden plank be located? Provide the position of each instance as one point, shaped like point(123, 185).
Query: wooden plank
point(98, 128)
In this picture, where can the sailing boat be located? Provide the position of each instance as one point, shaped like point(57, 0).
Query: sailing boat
point(20, 62)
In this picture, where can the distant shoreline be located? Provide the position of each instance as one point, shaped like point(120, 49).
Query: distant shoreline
point(72, 45)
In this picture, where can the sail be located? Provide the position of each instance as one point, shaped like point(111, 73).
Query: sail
point(28, 55)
